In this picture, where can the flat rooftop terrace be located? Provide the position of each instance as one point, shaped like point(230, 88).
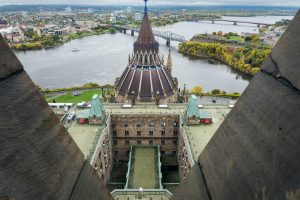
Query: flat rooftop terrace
point(85, 136)
point(144, 168)
point(200, 135)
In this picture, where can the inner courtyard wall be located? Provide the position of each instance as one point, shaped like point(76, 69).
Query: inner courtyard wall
point(124, 130)
point(184, 155)
point(102, 159)
point(144, 129)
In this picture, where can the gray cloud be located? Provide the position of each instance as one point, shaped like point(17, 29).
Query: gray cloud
point(160, 2)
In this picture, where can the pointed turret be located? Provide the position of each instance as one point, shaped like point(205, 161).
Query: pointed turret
point(192, 109)
point(146, 40)
point(97, 112)
point(169, 63)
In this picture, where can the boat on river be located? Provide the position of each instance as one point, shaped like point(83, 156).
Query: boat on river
point(75, 49)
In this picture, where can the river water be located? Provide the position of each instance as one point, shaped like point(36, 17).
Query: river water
point(103, 58)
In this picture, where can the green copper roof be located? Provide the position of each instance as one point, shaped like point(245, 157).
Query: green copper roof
point(192, 108)
point(97, 108)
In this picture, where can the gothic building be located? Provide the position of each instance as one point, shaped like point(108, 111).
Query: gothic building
point(146, 78)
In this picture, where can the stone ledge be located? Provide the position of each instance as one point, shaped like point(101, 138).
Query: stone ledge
point(39, 159)
point(253, 154)
point(9, 63)
point(286, 54)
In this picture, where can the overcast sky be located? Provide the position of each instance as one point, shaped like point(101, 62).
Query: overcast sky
point(160, 2)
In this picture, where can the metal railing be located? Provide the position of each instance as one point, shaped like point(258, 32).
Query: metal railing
point(159, 168)
point(128, 169)
point(188, 146)
point(145, 192)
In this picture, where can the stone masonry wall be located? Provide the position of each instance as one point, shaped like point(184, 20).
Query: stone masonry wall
point(102, 160)
point(144, 130)
point(184, 156)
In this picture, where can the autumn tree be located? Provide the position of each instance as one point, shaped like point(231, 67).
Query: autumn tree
point(197, 90)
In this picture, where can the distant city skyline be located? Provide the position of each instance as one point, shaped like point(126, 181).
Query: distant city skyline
point(159, 2)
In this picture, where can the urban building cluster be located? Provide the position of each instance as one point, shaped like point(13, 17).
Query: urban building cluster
point(23, 26)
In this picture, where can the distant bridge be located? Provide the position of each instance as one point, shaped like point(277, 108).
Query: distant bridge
point(235, 22)
point(167, 35)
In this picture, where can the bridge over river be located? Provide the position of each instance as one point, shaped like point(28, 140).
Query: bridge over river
point(235, 22)
point(167, 35)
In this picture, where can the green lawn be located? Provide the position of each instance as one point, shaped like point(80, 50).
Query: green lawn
point(144, 168)
point(237, 38)
point(234, 38)
point(69, 98)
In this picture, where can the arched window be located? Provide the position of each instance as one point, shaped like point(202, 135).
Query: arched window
point(151, 60)
point(146, 60)
point(141, 59)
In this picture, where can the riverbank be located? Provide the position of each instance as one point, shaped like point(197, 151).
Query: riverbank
point(52, 41)
point(78, 94)
point(86, 86)
point(246, 59)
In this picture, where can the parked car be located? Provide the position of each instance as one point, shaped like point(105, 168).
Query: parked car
point(71, 116)
point(76, 94)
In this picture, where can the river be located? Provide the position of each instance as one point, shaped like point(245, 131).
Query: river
point(103, 58)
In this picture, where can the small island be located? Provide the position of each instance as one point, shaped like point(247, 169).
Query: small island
point(244, 53)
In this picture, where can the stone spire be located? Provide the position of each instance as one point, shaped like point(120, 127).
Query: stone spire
point(169, 63)
point(146, 40)
point(146, 77)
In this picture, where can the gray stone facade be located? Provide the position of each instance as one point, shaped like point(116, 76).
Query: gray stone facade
point(149, 129)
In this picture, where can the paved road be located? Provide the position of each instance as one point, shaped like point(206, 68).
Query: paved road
point(71, 92)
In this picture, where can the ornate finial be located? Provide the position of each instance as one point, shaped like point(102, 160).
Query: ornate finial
point(146, 6)
point(169, 63)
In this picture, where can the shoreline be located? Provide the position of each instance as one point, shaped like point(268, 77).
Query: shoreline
point(218, 60)
point(247, 63)
point(69, 38)
point(245, 76)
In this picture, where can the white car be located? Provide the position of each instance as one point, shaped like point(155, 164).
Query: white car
point(71, 116)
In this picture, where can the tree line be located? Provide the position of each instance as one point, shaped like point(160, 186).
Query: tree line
point(246, 59)
point(47, 41)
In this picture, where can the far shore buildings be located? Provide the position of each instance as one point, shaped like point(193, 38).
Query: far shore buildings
point(3, 24)
point(12, 34)
point(138, 16)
